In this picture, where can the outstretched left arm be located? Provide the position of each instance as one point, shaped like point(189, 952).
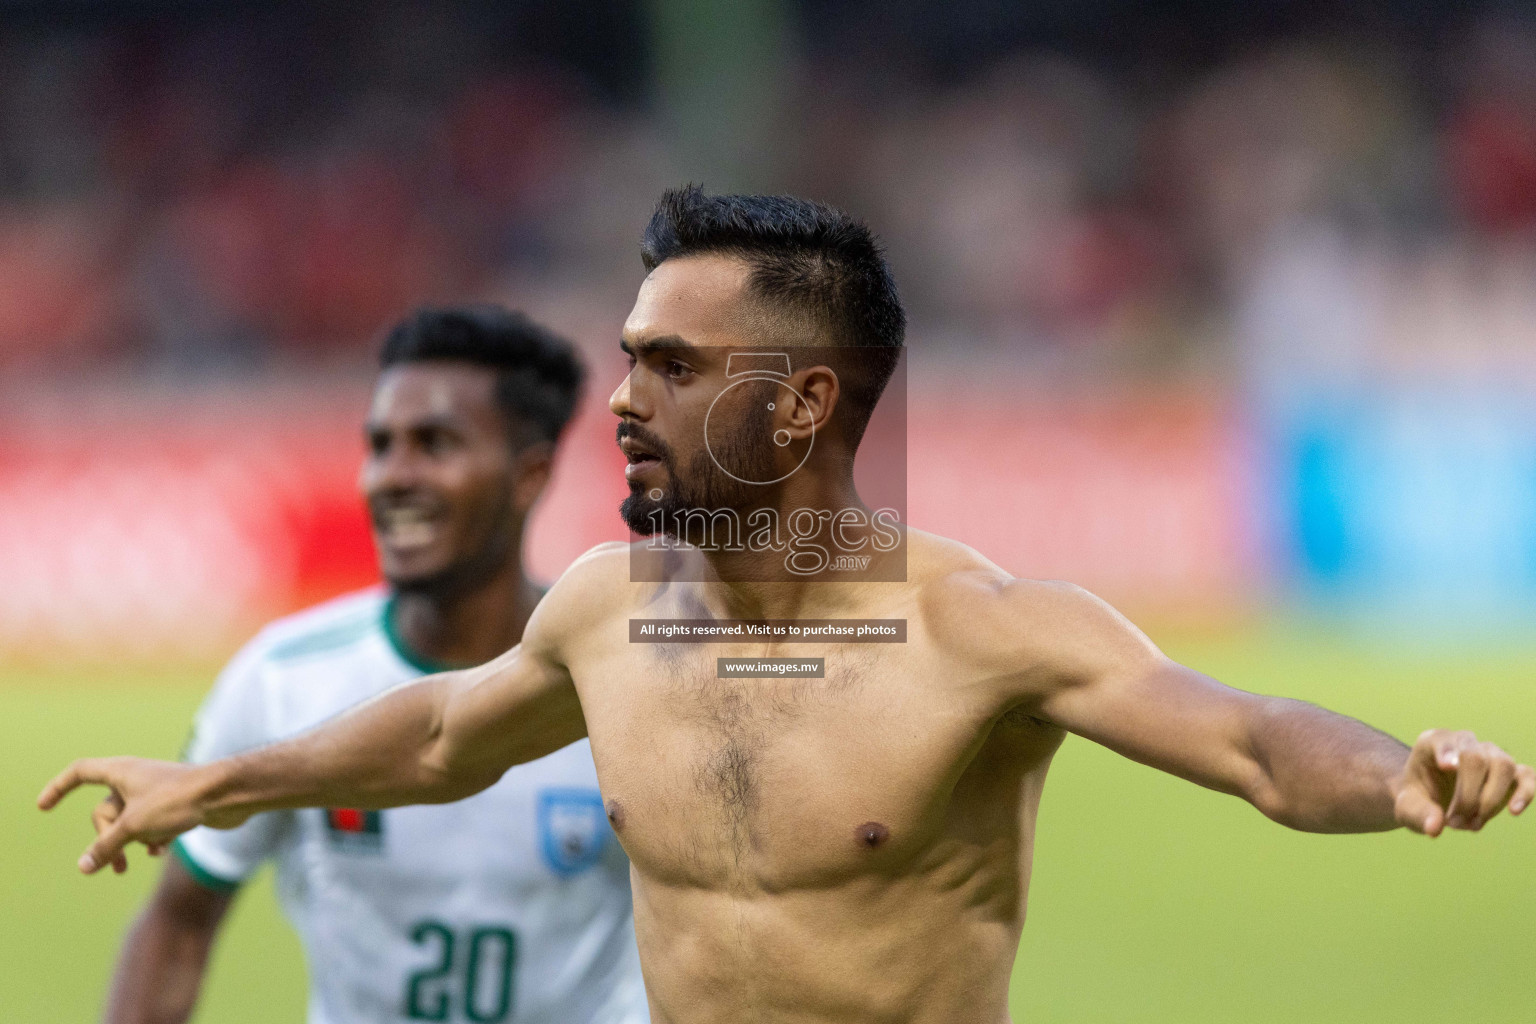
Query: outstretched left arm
point(1324, 772)
point(1301, 765)
point(1089, 671)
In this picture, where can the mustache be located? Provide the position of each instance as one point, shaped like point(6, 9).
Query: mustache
point(644, 437)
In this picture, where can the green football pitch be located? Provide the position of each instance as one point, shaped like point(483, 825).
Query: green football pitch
point(1152, 900)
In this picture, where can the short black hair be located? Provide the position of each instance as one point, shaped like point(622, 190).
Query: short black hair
point(822, 267)
point(538, 373)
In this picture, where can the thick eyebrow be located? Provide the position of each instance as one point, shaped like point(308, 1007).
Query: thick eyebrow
point(665, 343)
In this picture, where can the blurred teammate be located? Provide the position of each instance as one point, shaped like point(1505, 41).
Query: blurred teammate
point(511, 906)
point(849, 849)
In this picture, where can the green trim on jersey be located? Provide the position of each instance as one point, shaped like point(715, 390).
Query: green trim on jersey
point(205, 878)
point(346, 632)
point(419, 662)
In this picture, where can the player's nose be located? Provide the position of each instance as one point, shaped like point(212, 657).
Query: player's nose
point(392, 470)
point(622, 402)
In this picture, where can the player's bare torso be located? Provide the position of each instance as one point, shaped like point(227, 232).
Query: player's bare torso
point(847, 849)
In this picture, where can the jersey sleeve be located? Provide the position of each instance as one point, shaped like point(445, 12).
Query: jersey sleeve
point(235, 717)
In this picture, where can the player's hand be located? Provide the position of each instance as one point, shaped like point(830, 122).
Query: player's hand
point(1451, 780)
point(147, 801)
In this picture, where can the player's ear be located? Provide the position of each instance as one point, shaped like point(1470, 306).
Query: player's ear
point(819, 387)
point(534, 462)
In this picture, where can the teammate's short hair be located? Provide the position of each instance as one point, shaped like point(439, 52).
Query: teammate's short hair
point(821, 272)
point(538, 373)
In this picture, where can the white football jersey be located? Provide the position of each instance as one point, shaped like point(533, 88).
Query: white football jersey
point(512, 906)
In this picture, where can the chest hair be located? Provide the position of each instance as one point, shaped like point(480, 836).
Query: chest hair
point(737, 721)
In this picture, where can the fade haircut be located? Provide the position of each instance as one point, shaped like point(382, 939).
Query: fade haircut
point(538, 374)
point(821, 272)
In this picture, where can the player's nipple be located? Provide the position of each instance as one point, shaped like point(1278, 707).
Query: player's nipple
point(616, 815)
point(872, 834)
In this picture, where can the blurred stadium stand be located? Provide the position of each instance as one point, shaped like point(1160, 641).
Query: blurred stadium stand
point(1216, 308)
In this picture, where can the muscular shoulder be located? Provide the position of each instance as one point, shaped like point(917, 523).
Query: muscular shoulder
point(596, 586)
point(1026, 635)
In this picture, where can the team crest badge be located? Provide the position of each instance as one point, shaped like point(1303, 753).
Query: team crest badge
point(573, 828)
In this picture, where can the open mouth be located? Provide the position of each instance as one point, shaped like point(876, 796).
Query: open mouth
point(406, 526)
point(638, 456)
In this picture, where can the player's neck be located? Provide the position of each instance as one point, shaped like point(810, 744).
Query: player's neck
point(468, 627)
point(755, 584)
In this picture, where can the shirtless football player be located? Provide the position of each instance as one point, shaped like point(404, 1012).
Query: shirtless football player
point(850, 849)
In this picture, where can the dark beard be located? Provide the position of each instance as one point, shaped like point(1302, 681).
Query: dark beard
point(705, 487)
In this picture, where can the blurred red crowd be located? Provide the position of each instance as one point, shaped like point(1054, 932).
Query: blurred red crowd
point(187, 205)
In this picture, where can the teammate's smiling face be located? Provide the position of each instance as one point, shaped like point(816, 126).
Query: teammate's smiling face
point(446, 490)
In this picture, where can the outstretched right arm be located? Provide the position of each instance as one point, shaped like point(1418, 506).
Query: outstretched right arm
point(435, 740)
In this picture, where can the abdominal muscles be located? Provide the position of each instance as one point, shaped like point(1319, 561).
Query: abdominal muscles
point(904, 951)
